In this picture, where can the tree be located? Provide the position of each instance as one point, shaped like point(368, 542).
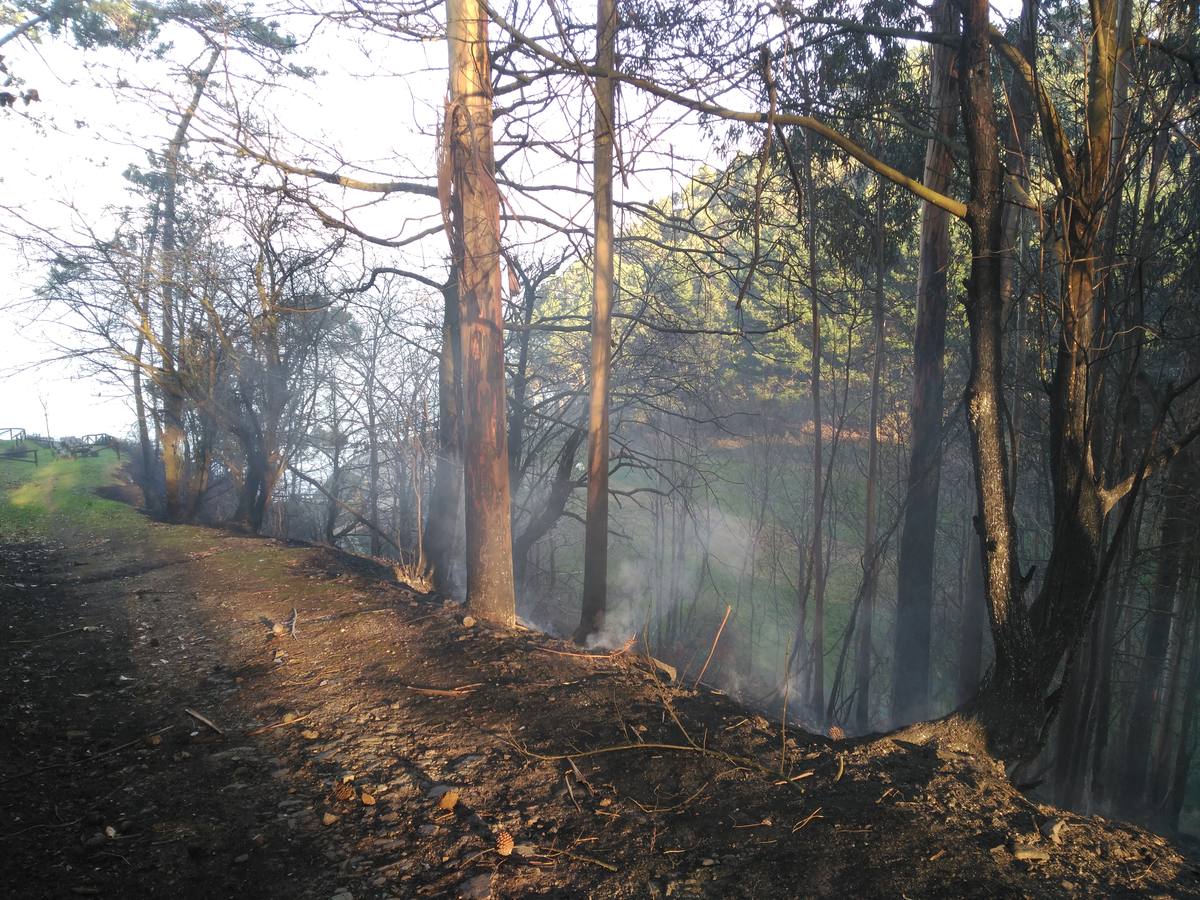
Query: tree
point(595, 556)
point(914, 594)
point(474, 213)
point(174, 453)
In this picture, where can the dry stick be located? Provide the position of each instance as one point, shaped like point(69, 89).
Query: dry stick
point(659, 810)
point(738, 762)
point(815, 814)
point(74, 762)
point(460, 691)
point(279, 724)
point(713, 648)
point(205, 720)
point(85, 628)
point(575, 655)
point(582, 857)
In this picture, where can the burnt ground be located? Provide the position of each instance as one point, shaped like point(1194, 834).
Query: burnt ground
point(432, 756)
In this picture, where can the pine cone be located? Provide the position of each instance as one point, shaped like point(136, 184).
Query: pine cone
point(504, 844)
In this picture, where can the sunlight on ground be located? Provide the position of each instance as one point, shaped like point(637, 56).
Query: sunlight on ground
point(60, 487)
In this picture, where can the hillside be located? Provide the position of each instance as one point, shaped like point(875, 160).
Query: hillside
point(165, 740)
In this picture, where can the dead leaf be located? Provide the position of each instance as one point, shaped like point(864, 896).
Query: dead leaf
point(310, 735)
point(367, 799)
point(449, 800)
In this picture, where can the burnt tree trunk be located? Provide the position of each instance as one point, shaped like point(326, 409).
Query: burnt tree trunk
point(817, 571)
point(1175, 533)
point(1010, 706)
point(864, 654)
point(1172, 803)
point(441, 523)
point(595, 541)
point(914, 597)
point(475, 213)
point(971, 624)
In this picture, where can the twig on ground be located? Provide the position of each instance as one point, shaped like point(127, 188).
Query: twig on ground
point(19, 831)
point(279, 724)
point(83, 628)
point(461, 691)
point(713, 648)
point(583, 857)
point(738, 762)
point(657, 810)
point(74, 762)
point(815, 814)
point(204, 720)
point(612, 654)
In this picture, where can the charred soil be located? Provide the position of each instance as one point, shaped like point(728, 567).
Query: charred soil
point(172, 730)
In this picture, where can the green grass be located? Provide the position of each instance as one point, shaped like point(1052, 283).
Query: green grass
point(37, 501)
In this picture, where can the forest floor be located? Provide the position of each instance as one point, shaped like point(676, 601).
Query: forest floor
point(162, 739)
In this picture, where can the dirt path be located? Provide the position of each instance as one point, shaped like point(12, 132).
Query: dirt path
point(414, 765)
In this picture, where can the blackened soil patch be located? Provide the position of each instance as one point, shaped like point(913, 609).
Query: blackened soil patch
point(168, 733)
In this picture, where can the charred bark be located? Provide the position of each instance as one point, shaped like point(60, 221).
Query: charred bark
point(475, 214)
point(914, 598)
point(595, 541)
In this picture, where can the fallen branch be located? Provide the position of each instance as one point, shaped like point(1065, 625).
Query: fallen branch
point(460, 691)
point(583, 857)
point(815, 814)
point(265, 728)
point(204, 720)
point(612, 654)
point(713, 648)
point(75, 762)
point(738, 762)
point(83, 628)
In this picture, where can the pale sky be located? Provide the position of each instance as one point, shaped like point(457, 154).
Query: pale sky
point(70, 151)
point(376, 107)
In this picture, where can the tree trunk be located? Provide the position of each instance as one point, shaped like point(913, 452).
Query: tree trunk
point(1161, 765)
point(1175, 534)
point(914, 597)
point(173, 452)
point(373, 464)
point(1010, 706)
point(864, 654)
point(595, 542)
point(143, 430)
point(817, 564)
point(441, 523)
point(1173, 802)
point(475, 210)
point(335, 473)
point(519, 390)
point(552, 510)
point(974, 606)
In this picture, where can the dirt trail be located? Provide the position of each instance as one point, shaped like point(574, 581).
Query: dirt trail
point(426, 755)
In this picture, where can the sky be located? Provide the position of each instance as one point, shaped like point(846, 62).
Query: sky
point(61, 164)
point(61, 170)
